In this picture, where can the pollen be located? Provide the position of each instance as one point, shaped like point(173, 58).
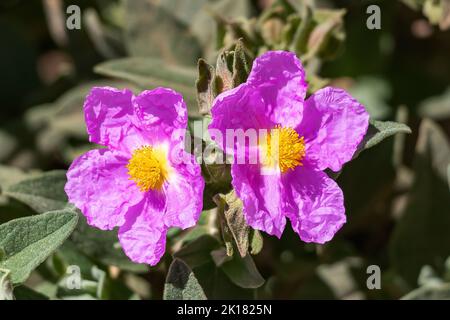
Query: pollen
point(148, 168)
point(284, 149)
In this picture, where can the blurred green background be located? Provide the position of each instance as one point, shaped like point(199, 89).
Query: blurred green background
point(397, 194)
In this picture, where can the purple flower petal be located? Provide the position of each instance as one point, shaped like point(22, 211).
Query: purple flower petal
point(143, 236)
point(315, 204)
point(161, 111)
point(98, 184)
point(341, 123)
point(184, 194)
point(280, 79)
point(238, 108)
point(110, 118)
point(262, 198)
point(273, 94)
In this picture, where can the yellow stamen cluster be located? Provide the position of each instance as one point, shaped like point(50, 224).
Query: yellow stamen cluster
point(284, 149)
point(148, 168)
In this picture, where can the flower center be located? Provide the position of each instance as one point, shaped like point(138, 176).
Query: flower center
point(284, 149)
point(148, 168)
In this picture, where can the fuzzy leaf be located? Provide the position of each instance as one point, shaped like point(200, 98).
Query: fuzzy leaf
point(154, 30)
point(197, 252)
point(28, 241)
point(204, 84)
point(234, 226)
point(42, 193)
point(378, 131)
point(103, 246)
point(241, 64)
point(181, 283)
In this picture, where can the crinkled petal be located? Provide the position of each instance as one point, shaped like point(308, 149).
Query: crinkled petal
point(262, 198)
point(184, 193)
point(143, 236)
point(161, 111)
point(110, 118)
point(340, 123)
point(279, 78)
point(273, 94)
point(98, 184)
point(238, 108)
point(314, 204)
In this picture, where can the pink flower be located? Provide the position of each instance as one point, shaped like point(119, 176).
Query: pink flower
point(321, 132)
point(136, 184)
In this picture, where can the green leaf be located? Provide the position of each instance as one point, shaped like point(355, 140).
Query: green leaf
point(241, 64)
point(234, 225)
point(197, 252)
point(304, 29)
point(42, 193)
point(206, 225)
point(256, 241)
point(28, 241)
point(26, 293)
point(152, 72)
point(178, 31)
point(68, 255)
point(204, 85)
point(215, 283)
point(103, 246)
point(421, 235)
point(379, 131)
point(154, 30)
point(241, 271)
point(181, 283)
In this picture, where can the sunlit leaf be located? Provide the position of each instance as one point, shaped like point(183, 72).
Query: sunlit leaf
point(28, 241)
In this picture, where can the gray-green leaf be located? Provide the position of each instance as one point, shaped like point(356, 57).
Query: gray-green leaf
point(181, 283)
point(241, 64)
point(204, 85)
point(378, 131)
point(28, 241)
point(235, 227)
point(241, 271)
point(42, 193)
point(103, 246)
